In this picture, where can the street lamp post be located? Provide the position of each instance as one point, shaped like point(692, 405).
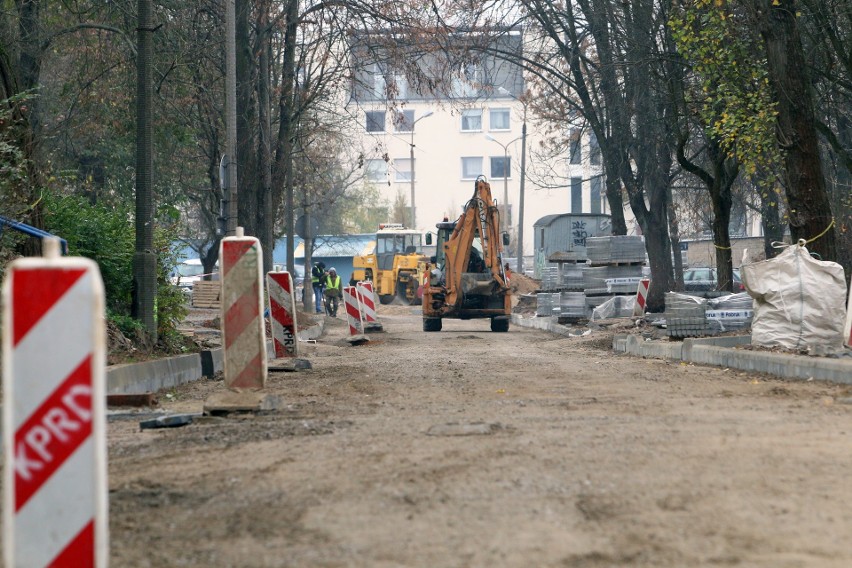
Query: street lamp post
point(520, 262)
point(505, 172)
point(413, 213)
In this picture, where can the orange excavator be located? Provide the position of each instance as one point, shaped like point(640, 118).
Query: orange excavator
point(466, 278)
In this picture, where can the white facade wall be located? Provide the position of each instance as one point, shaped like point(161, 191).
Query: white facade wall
point(442, 148)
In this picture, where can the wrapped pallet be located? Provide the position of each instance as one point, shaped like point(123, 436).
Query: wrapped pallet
point(798, 300)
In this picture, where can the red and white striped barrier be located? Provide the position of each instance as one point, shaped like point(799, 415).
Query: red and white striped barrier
point(847, 333)
point(353, 313)
point(367, 299)
point(641, 297)
point(243, 328)
point(54, 479)
point(282, 314)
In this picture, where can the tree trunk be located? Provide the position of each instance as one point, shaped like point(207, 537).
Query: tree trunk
point(246, 123)
point(266, 213)
point(809, 205)
point(282, 180)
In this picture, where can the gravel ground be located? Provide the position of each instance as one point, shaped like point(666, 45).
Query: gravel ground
point(467, 448)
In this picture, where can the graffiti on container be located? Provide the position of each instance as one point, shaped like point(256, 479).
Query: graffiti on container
point(579, 233)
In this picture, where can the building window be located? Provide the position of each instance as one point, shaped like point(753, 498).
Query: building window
point(576, 195)
point(375, 121)
point(471, 168)
point(594, 150)
point(404, 121)
point(399, 87)
point(467, 81)
point(402, 167)
point(575, 156)
point(596, 195)
point(499, 119)
point(377, 85)
point(376, 170)
point(471, 120)
point(501, 166)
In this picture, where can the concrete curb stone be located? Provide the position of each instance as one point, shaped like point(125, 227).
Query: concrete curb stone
point(720, 352)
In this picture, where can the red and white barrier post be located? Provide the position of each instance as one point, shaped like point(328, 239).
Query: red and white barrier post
point(367, 299)
point(54, 368)
point(641, 297)
point(282, 314)
point(353, 314)
point(243, 328)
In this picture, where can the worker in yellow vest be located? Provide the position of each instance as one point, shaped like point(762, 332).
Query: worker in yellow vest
point(333, 291)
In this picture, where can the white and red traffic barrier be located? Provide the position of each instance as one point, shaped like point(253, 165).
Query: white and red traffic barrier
point(54, 479)
point(353, 313)
point(282, 314)
point(243, 327)
point(367, 299)
point(641, 297)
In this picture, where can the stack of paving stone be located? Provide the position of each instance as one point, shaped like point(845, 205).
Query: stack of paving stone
point(731, 312)
point(572, 277)
point(686, 316)
point(615, 268)
point(550, 278)
point(547, 304)
point(620, 249)
point(572, 306)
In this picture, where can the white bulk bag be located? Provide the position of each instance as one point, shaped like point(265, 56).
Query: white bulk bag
point(798, 300)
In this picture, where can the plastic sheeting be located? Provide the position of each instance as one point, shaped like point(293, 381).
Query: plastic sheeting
point(798, 300)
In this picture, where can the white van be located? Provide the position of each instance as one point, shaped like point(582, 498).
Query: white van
point(188, 272)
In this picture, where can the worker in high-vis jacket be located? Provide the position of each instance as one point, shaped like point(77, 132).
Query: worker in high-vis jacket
point(317, 281)
point(333, 291)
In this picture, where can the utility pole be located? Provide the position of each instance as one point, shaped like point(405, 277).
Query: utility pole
point(144, 257)
point(231, 111)
point(520, 261)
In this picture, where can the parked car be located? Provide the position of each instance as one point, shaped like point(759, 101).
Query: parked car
point(704, 279)
point(188, 272)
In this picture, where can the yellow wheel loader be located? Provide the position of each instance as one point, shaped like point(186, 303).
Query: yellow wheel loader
point(466, 278)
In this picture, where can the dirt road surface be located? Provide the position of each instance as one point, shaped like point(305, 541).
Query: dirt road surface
point(467, 448)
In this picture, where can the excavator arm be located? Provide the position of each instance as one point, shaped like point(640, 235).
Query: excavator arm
point(466, 270)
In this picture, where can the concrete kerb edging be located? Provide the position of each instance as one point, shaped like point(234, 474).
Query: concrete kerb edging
point(151, 376)
point(718, 351)
point(721, 352)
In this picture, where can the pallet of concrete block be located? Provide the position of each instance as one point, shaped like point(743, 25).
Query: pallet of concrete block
point(730, 312)
point(572, 306)
point(617, 249)
point(686, 316)
point(571, 277)
point(547, 304)
point(550, 278)
point(205, 294)
point(614, 307)
point(610, 280)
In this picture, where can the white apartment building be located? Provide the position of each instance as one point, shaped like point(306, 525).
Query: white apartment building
point(430, 147)
point(475, 128)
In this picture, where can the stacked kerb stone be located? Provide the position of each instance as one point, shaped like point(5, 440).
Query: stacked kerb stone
point(686, 316)
point(730, 313)
point(547, 304)
point(615, 268)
